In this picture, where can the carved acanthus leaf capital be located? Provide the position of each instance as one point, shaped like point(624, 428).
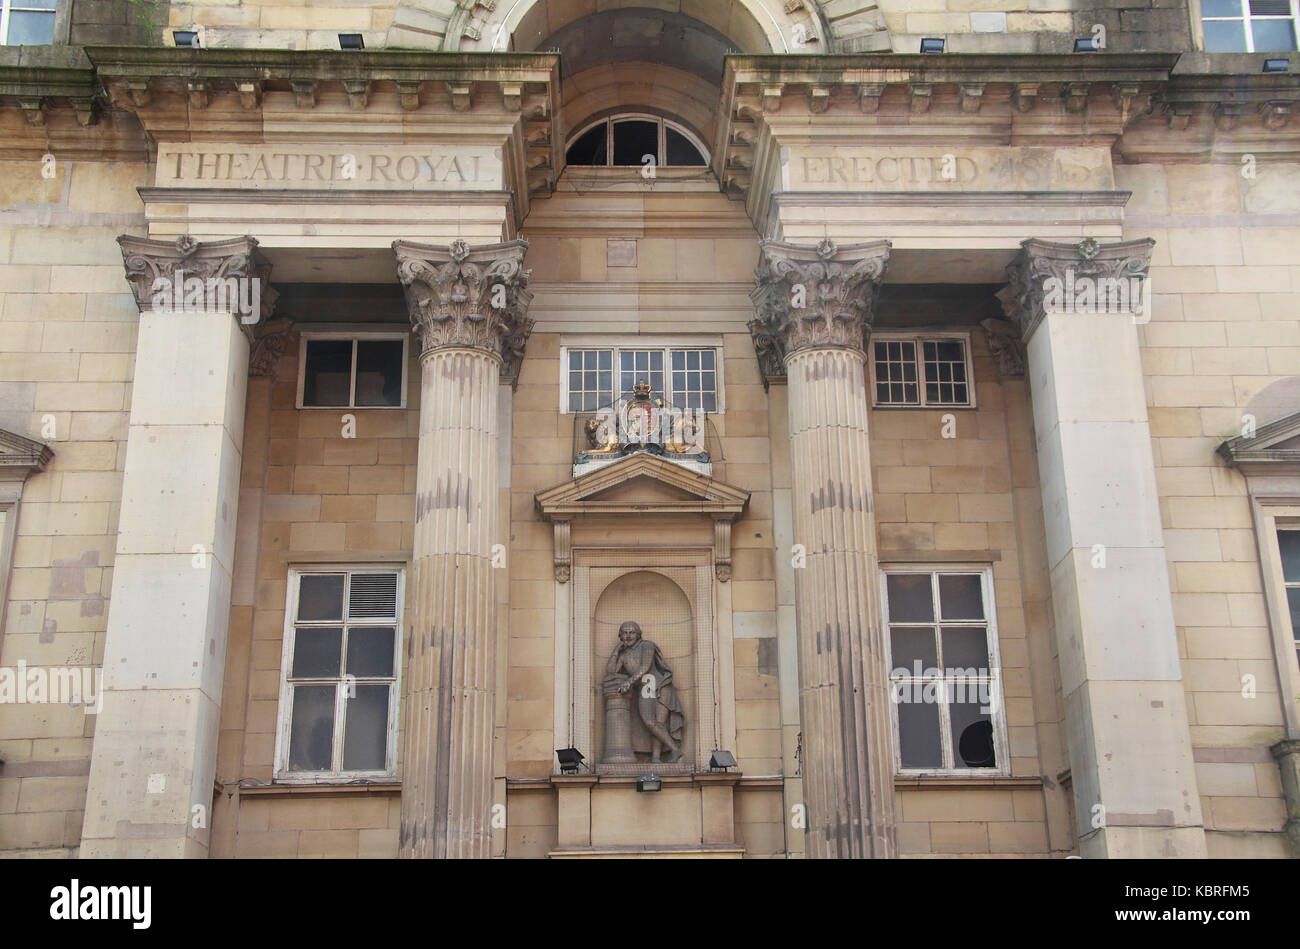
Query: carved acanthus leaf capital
point(1044, 266)
point(187, 275)
point(464, 297)
point(813, 297)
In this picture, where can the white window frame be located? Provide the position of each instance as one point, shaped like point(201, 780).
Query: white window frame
point(666, 343)
point(1271, 515)
point(919, 339)
point(9, 496)
point(284, 719)
point(1246, 18)
point(308, 335)
point(1001, 745)
point(9, 6)
point(661, 158)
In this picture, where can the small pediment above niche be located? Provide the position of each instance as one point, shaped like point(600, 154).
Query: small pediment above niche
point(1272, 449)
point(643, 490)
point(20, 456)
point(645, 486)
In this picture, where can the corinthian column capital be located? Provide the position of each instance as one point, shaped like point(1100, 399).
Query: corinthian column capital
point(813, 297)
point(186, 275)
point(1047, 275)
point(468, 298)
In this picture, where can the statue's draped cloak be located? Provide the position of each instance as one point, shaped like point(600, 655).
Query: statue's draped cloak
point(666, 696)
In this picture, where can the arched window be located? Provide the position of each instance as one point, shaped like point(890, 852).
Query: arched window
point(627, 139)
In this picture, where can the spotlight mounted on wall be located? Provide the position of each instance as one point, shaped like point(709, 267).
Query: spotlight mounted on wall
point(932, 45)
point(1276, 65)
point(1087, 44)
point(570, 760)
point(186, 38)
point(351, 41)
point(649, 782)
point(721, 760)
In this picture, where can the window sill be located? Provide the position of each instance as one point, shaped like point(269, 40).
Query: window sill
point(357, 787)
point(939, 782)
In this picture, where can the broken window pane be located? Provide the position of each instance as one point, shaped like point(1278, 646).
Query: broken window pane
point(316, 652)
point(972, 729)
point(311, 733)
point(960, 596)
point(918, 729)
point(370, 650)
point(365, 736)
point(320, 597)
point(910, 599)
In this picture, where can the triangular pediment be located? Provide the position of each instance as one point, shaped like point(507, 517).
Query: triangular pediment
point(641, 483)
point(21, 455)
point(1271, 448)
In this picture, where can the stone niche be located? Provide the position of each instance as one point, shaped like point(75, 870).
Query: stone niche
point(647, 541)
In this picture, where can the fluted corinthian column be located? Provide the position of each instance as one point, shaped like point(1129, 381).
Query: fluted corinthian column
point(1125, 709)
point(469, 309)
point(155, 751)
point(814, 309)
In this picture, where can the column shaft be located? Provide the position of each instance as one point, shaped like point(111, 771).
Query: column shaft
point(451, 687)
point(154, 758)
point(1125, 707)
point(469, 307)
point(843, 695)
point(814, 309)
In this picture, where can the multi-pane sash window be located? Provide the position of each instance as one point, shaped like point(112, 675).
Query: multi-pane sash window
point(685, 377)
point(27, 22)
point(352, 371)
point(339, 699)
point(1249, 26)
point(920, 371)
point(1288, 542)
point(944, 676)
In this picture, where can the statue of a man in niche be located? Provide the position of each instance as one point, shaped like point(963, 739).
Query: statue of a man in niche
point(636, 676)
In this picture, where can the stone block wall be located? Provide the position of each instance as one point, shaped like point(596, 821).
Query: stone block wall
point(1223, 342)
point(67, 350)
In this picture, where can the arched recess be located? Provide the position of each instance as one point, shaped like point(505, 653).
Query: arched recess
point(753, 26)
point(524, 25)
point(662, 609)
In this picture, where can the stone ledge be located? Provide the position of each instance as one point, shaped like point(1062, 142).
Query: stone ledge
point(280, 790)
point(946, 783)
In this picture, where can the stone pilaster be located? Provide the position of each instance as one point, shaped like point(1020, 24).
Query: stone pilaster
point(814, 308)
point(1125, 707)
point(154, 756)
point(469, 310)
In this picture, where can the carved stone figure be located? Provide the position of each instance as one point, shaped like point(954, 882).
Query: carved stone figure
point(636, 676)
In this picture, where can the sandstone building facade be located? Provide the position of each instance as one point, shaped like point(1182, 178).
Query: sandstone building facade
point(935, 417)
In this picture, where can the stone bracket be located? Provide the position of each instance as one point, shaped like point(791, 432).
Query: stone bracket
point(563, 551)
point(722, 549)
